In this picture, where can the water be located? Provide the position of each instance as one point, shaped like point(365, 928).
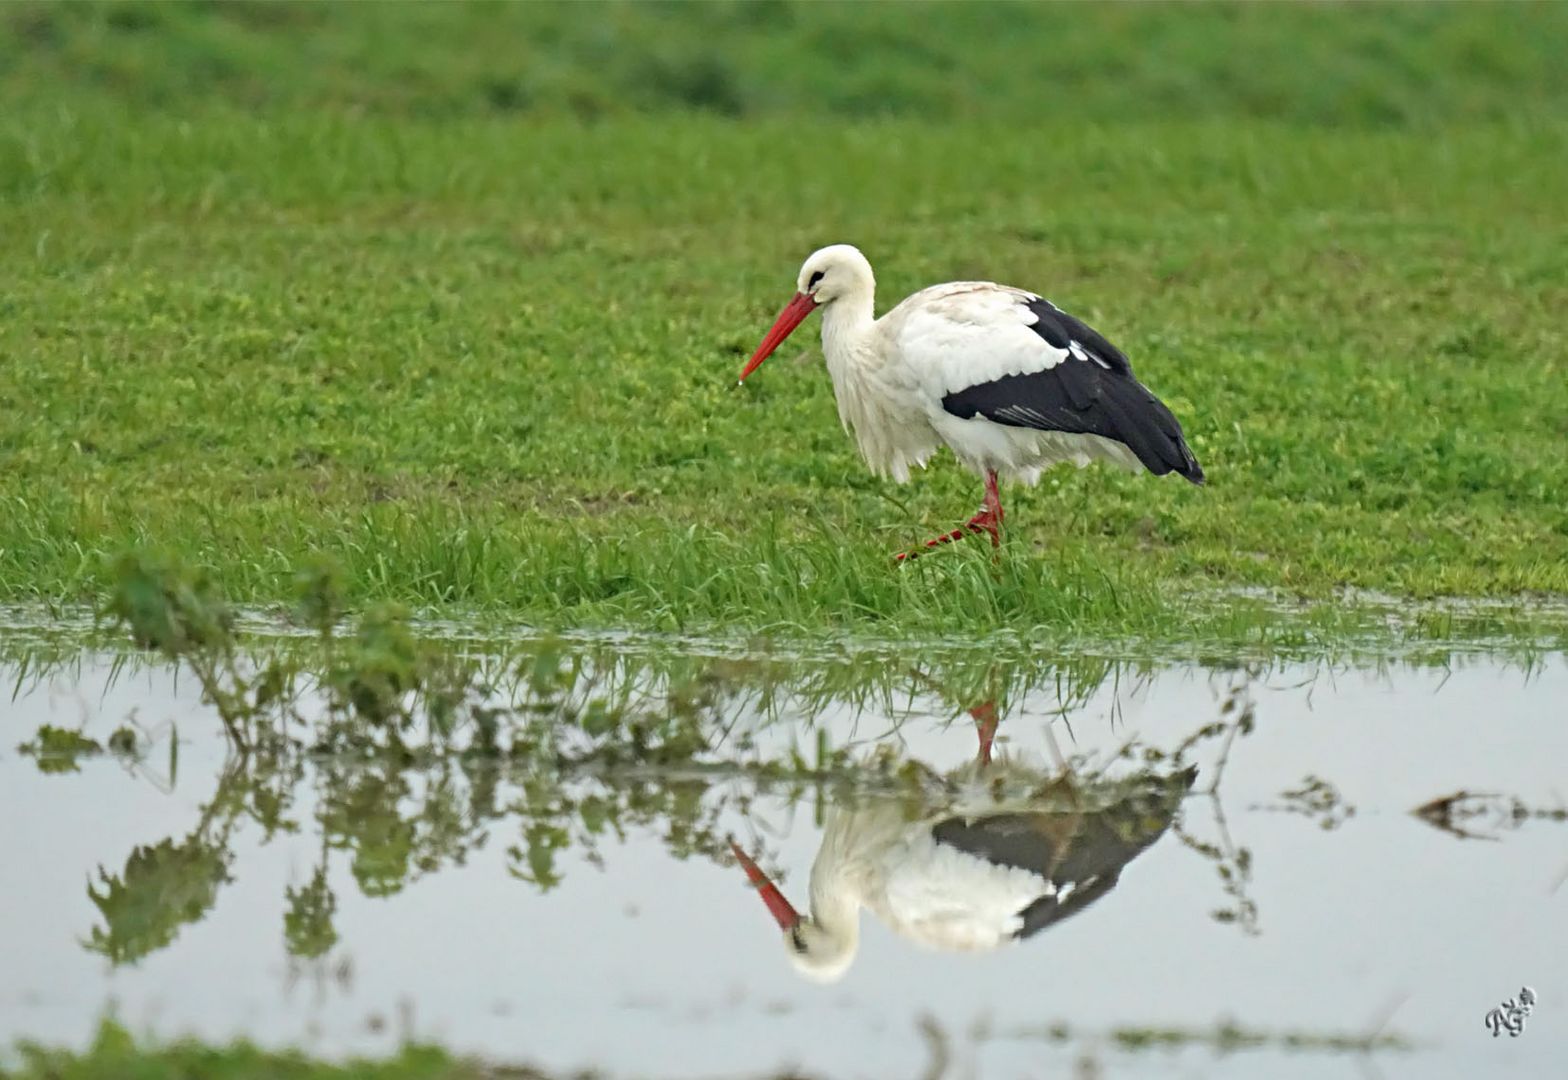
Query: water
point(592, 916)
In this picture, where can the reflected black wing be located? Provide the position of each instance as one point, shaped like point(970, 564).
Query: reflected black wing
point(1080, 854)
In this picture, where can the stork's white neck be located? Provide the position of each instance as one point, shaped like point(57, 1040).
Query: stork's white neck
point(836, 911)
point(849, 346)
point(848, 323)
point(873, 397)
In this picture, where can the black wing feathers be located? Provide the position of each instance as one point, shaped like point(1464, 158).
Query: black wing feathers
point(1048, 911)
point(1079, 852)
point(1090, 860)
point(1061, 330)
point(1022, 840)
point(1091, 392)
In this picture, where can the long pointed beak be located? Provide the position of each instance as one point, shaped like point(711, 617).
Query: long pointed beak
point(783, 912)
point(793, 314)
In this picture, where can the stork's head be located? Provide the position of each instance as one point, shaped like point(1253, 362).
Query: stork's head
point(814, 951)
point(829, 274)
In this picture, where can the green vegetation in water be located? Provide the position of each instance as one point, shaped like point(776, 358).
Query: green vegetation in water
point(59, 749)
point(1479, 814)
point(116, 1055)
point(262, 301)
point(1317, 800)
point(1229, 1038)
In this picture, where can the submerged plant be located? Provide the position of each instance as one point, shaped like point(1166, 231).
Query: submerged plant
point(308, 932)
point(163, 887)
point(57, 750)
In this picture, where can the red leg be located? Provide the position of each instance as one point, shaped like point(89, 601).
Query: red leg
point(992, 514)
point(989, 520)
point(985, 727)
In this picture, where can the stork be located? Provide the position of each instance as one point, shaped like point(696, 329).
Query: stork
point(1000, 853)
point(1004, 378)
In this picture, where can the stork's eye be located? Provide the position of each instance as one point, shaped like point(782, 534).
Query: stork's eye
point(796, 939)
point(812, 284)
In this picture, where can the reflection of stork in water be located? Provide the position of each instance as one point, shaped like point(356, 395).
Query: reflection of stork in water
point(1004, 852)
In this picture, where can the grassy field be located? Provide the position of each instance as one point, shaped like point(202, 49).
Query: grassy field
point(278, 281)
point(1370, 64)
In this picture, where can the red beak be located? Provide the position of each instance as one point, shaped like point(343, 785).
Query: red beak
point(794, 312)
point(786, 915)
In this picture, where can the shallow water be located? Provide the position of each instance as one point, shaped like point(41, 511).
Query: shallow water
point(594, 917)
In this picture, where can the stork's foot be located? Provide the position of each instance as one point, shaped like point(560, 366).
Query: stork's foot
point(986, 521)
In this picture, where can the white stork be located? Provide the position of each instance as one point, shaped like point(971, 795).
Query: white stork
point(1004, 378)
point(1005, 853)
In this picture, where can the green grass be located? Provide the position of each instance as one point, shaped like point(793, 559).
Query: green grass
point(260, 303)
point(1370, 64)
point(116, 1055)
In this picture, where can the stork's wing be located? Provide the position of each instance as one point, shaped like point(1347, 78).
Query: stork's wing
point(1081, 854)
point(944, 898)
point(1024, 840)
point(1014, 358)
point(1050, 910)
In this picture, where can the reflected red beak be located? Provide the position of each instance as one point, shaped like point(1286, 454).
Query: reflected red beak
point(785, 915)
point(792, 315)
